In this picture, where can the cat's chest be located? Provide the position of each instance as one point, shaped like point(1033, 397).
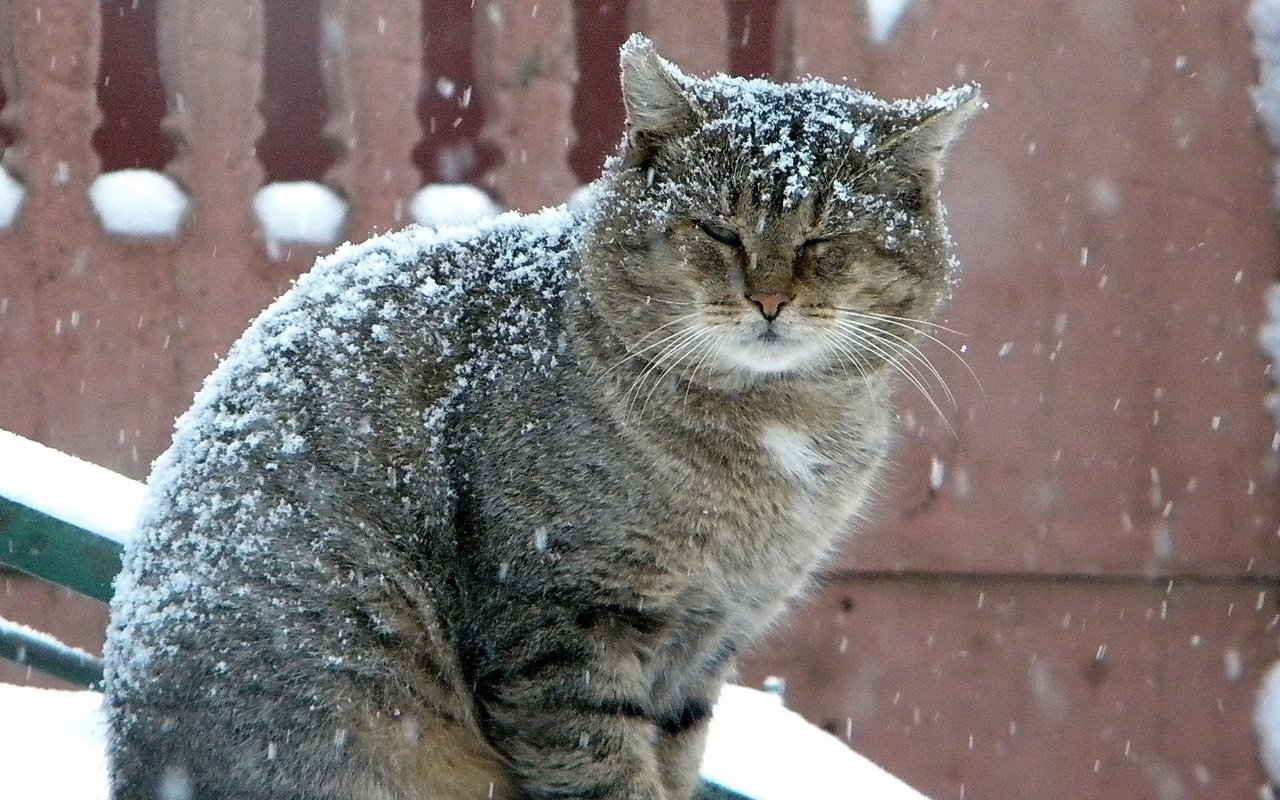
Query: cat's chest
point(794, 456)
point(764, 512)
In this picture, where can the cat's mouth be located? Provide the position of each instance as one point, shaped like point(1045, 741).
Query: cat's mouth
point(770, 348)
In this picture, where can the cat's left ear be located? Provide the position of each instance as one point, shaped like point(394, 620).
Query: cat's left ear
point(658, 106)
point(941, 118)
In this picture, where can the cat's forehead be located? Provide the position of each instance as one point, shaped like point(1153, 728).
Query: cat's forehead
point(814, 107)
point(785, 135)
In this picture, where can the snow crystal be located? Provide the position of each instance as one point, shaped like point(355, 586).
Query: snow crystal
point(883, 17)
point(302, 212)
point(12, 196)
point(442, 205)
point(64, 487)
point(139, 202)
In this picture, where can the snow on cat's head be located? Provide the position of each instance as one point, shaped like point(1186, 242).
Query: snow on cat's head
point(752, 228)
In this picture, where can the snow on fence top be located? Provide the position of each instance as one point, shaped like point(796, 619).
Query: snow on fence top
point(64, 487)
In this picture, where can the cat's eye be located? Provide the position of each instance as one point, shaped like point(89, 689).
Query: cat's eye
point(720, 233)
point(817, 246)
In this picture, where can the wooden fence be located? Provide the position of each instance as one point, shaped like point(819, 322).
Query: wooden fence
point(1073, 594)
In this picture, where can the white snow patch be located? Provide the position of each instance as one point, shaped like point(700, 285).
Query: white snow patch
point(1266, 722)
point(883, 17)
point(139, 202)
point(584, 197)
point(52, 744)
point(300, 212)
point(1264, 18)
point(1269, 341)
point(74, 491)
point(12, 195)
point(442, 205)
point(760, 749)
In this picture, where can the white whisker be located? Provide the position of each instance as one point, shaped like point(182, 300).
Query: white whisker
point(673, 343)
point(642, 350)
point(843, 352)
point(691, 346)
point(863, 338)
point(907, 349)
point(709, 349)
point(909, 324)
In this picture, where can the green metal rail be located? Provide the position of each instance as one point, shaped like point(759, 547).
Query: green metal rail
point(57, 551)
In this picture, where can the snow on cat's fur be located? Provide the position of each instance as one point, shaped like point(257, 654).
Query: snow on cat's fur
point(490, 512)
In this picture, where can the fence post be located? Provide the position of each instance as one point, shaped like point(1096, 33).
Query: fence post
point(525, 72)
point(372, 62)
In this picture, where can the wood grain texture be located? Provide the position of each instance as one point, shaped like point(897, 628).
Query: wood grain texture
point(995, 688)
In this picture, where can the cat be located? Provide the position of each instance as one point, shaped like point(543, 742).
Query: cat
point(490, 513)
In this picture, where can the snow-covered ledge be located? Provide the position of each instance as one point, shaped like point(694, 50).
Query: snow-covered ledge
point(299, 212)
point(443, 205)
point(64, 487)
point(12, 197)
point(52, 747)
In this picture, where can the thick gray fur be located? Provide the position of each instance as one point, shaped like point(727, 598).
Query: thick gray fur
point(492, 513)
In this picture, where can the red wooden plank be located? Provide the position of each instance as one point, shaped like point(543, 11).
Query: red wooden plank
point(211, 57)
point(693, 35)
point(1112, 210)
point(1036, 689)
point(827, 38)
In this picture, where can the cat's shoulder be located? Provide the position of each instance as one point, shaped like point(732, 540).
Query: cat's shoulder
point(510, 247)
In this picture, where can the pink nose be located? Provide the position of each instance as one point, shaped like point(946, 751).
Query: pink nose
point(770, 304)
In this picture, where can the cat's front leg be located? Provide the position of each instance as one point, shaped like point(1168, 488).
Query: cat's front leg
point(683, 728)
point(681, 744)
point(574, 732)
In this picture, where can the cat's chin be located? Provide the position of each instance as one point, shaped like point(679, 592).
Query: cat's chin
point(770, 354)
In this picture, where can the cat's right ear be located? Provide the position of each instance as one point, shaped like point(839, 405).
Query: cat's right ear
point(658, 107)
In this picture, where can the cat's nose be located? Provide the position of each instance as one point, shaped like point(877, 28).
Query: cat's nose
point(770, 305)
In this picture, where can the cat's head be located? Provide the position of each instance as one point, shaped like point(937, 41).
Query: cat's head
point(765, 229)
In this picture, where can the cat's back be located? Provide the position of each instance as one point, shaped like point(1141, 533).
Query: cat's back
point(371, 342)
point(309, 447)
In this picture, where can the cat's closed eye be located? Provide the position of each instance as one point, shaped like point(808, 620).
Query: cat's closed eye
point(818, 245)
point(721, 233)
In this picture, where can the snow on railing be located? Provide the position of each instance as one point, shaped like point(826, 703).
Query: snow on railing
point(65, 488)
point(66, 521)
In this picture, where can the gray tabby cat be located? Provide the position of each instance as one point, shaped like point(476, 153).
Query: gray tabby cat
point(490, 513)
